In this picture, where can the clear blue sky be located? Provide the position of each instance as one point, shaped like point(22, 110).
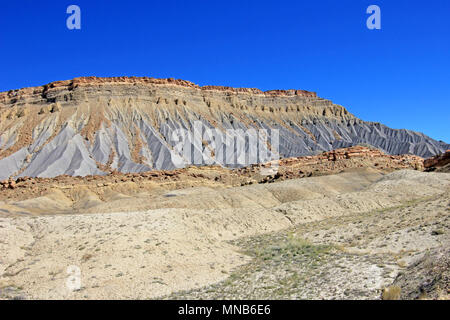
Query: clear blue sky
point(399, 75)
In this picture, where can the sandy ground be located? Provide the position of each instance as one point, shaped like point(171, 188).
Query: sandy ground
point(359, 229)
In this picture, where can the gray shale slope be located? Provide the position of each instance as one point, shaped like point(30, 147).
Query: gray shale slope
point(93, 126)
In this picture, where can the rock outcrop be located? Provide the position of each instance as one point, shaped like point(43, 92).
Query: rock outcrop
point(96, 126)
point(438, 163)
point(327, 163)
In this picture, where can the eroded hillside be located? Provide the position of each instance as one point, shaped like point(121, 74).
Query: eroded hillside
point(94, 126)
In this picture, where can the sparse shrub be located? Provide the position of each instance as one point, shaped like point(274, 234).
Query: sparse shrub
point(437, 232)
point(86, 257)
point(391, 293)
point(292, 247)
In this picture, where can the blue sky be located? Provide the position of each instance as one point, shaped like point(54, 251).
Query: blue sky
point(399, 75)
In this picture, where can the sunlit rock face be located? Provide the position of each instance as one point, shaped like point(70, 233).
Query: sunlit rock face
point(94, 126)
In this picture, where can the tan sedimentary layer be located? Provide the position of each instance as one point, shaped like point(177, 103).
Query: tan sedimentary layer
point(10, 95)
point(326, 163)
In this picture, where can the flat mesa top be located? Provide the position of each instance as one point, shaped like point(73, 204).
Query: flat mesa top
point(85, 81)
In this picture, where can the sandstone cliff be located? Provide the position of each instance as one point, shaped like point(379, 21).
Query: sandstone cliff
point(94, 126)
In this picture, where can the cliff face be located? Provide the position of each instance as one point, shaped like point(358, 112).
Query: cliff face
point(94, 125)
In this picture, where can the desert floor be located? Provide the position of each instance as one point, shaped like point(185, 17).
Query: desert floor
point(344, 236)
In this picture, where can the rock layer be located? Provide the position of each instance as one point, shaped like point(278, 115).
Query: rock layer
point(95, 126)
point(327, 163)
point(440, 162)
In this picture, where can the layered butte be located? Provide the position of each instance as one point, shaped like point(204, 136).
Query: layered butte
point(94, 126)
